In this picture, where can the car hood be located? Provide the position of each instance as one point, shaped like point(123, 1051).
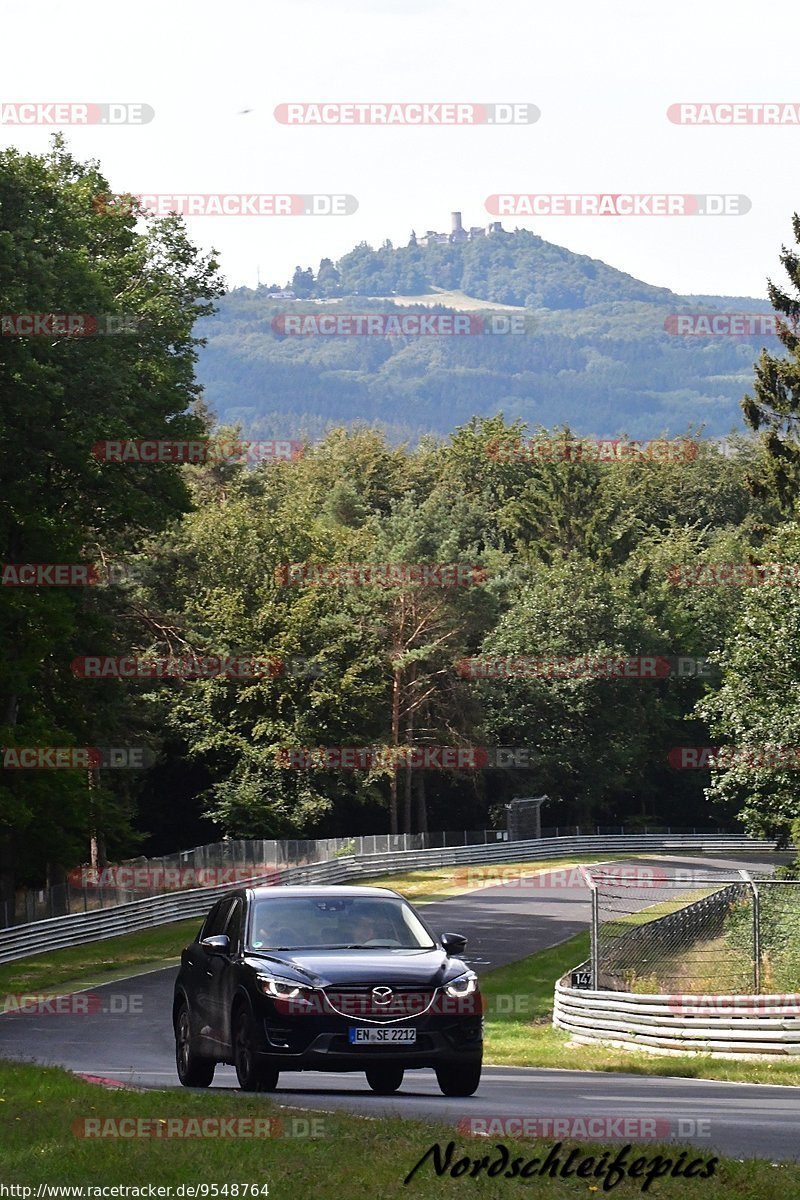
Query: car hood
point(322, 968)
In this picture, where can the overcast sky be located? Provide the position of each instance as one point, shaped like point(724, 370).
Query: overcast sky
point(603, 76)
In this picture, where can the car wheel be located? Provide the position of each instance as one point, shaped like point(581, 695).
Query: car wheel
point(253, 1076)
point(384, 1080)
point(459, 1079)
point(193, 1071)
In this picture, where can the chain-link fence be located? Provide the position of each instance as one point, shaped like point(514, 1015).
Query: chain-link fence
point(87, 888)
point(660, 930)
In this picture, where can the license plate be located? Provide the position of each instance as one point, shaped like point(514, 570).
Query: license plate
point(382, 1036)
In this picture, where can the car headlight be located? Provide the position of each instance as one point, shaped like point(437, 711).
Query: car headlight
point(284, 989)
point(465, 985)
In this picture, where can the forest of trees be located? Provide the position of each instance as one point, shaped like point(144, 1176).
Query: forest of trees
point(598, 350)
point(577, 557)
point(517, 268)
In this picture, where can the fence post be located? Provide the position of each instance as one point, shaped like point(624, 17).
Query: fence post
point(756, 930)
point(595, 951)
point(757, 938)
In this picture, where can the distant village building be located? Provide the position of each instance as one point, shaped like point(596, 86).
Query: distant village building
point(282, 294)
point(457, 233)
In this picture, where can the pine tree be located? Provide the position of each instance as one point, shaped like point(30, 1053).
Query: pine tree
point(775, 409)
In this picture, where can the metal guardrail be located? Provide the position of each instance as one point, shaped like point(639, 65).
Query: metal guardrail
point(39, 937)
point(741, 1027)
point(87, 888)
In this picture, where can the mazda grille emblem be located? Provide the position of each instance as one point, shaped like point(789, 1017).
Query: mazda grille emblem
point(382, 996)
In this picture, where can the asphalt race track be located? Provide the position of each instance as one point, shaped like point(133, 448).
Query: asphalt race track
point(126, 1035)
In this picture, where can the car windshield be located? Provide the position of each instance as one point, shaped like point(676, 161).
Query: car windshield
point(335, 923)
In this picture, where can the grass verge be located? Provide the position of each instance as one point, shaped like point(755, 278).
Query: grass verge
point(519, 996)
point(98, 962)
point(519, 1032)
point(42, 1108)
point(115, 958)
point(440, 883)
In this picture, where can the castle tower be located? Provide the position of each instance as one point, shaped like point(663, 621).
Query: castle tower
point(456, 226)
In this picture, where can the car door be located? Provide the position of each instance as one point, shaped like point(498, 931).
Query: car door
point(227, 977)
point(193, 973)
point(208, 972)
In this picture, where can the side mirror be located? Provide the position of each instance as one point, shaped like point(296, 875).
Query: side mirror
point(220, 943)
point(453, 943)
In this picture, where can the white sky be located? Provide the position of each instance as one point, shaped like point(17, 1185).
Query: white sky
point(603, 76)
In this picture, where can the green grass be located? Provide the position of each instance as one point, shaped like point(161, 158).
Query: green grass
point(353, 1158)
point(116, 958)
point(98, 962)
point(523, 1036)
point(712, 965)
point(527, 1038)
point(440, 883)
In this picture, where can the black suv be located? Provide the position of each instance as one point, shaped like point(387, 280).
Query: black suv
point(325, 979)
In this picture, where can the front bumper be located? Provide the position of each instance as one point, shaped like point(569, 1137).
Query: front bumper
point(321, 1042)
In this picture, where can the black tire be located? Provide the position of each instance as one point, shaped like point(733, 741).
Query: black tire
point(253, 1076)
point(459, 1079)
point(385, 1079)
point(193, 1071)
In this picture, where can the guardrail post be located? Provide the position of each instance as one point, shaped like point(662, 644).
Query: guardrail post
point(756, 930)
point(595, 952)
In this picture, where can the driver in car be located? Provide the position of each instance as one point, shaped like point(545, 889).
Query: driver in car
point(283, 933)
point(363, 929)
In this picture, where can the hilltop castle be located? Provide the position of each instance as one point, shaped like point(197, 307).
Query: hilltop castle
point(457, 233)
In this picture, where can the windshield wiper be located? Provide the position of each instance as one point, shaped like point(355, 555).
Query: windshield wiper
point(307, 947)
point(372, 946)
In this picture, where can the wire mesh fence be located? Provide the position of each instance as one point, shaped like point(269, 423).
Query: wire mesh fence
point(660, 930)
point(87, 889)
